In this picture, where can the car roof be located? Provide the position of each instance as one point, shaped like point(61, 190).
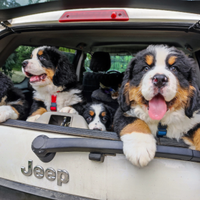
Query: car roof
point(10, 11)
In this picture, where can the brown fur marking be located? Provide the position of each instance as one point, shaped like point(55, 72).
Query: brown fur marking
point(138, 126)
point(172, 60)
point(40, 52)
point(149, 59)
point(195, 140)
point(40, 111)
point(37, 99)
point(3, 101)
point(91, 113)
point(15, 111)
point(103, 114)
point(182, 97)
point(50, 73)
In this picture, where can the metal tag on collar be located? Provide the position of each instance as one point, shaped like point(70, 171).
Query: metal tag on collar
point(162, 130)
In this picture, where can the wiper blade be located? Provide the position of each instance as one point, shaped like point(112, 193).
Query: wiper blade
point(195, 26)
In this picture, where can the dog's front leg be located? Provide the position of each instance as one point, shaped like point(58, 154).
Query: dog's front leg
point(139, 145)
point(192, 138)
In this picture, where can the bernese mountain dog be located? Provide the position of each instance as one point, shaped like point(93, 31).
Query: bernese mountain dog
point(54, 81)
point(12, 101)
point(159, 94)
point(99, 116)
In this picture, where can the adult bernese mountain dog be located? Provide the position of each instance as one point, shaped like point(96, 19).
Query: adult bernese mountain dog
point(159, 92)
point(12, 101)
point(99, 116)
point(54, 81)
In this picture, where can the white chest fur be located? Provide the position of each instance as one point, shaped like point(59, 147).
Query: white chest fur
point(63, 99)
point(177, 122)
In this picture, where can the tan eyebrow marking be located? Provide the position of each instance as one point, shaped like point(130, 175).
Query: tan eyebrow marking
point(40, 52)
point(103, 114)
point(91, 113)
point(172, 60)
point(149, 59)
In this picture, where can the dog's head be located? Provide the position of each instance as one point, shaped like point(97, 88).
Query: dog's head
point(98, 116)
point(160, 78)
point(48, 65)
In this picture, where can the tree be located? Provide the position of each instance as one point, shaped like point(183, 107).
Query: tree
point(14, 61)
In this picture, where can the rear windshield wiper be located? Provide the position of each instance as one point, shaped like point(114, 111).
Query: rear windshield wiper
point(194, 26)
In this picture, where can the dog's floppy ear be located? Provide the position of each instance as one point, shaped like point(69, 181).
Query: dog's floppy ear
point(110, 120)
point(110, 110)
point(64, 72)
point(123, 98)
point(194, 97)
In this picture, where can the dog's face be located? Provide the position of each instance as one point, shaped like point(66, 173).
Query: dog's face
point(98, 116)
point(159, 79)
point(46, 66)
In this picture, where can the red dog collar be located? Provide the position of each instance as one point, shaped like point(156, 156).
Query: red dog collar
point(53, 106)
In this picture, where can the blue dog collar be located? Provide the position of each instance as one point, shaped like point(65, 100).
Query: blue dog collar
point(162, 130)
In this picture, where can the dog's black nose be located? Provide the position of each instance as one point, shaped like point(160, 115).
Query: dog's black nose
point(159, 80)
point(24, 63)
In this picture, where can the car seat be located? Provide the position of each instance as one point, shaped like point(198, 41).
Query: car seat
point(100, 63)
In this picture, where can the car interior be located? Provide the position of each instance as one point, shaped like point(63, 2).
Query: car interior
point(100, 46)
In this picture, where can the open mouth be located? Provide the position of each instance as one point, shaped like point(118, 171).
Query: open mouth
point(157, 107)
point(36, 78)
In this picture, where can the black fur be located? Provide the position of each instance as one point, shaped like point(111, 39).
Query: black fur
point(120, 121)
point(14, 96)
point(125, 106)
point(108, 119)
point(184, 72)
point(63, 75)
point(64, 71)
point(36, 105)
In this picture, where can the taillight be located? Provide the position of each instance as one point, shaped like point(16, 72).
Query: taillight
point(94, 15)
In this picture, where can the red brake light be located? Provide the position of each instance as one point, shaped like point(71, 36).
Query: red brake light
point(94, 15)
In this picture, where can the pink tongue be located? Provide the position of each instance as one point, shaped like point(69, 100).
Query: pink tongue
point(157, 107)
point(34, 78)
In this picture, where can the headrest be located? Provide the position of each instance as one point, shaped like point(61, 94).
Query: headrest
point(100, 62)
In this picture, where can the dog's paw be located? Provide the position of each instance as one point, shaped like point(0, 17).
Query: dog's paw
point(139, 148)
point(69, 110)
point(6, 112)
point(33, 118)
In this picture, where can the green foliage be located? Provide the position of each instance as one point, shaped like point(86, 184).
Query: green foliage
point(8, 4)
point(70, 53)
point(67, 50)
point(87, 62)
point(14, 61)
point(118, 63)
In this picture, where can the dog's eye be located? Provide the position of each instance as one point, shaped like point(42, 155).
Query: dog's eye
point(42, 58)
point(89, 119)
point(104, 118)
point(172, 69)
point(146, 68)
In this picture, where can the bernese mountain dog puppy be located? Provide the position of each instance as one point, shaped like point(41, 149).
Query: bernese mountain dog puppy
point(12, 101)
point(159, 92)
point(99, 116)
point(54, 81)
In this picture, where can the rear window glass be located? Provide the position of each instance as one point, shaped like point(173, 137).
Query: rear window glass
point(6, 4)
point(118, 62)
point(13, 65)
